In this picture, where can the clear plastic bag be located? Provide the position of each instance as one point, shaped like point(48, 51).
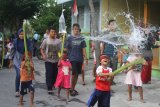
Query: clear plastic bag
point(62, 25)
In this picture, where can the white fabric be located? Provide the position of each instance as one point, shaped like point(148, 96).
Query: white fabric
point(99, 69)
point(133, 77)
point(65, 69)
point(46, 35)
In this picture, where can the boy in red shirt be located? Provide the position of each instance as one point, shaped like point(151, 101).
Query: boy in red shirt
point(103, 83)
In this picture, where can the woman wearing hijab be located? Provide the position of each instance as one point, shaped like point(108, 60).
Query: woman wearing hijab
point(17, 53)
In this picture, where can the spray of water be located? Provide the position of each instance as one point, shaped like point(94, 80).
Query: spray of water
point(134, 39)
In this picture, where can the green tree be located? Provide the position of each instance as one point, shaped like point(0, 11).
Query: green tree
point(49, 16)
point(13, 12)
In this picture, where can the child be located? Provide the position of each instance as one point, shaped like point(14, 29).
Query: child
point(26, 78)
point(133, 76)
point(103, 83)
point(63, 77)
point(7, 59)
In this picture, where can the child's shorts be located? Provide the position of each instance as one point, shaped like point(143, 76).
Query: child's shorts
point(26, 86)
point(103, 98)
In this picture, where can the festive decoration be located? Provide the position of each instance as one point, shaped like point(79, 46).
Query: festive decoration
point(75, 9)
point(62, 30)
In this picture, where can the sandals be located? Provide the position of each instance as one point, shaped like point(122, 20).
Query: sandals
point(73, 92)
point(83, 83)
point(17, 94)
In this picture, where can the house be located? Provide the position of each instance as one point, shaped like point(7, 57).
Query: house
point(146, 10)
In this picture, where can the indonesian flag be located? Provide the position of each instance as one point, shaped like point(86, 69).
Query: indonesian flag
point(75, 10)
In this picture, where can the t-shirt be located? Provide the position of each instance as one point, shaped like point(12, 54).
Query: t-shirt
point(25, 74)
point(137, 67)
point(75, 45)
point(46, 35)
point(51, 47)
point(101, 83)
point(99, 69)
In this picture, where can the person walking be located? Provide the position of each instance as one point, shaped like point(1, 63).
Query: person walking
point(75, 45)
point(50, 48)
point(16, 54)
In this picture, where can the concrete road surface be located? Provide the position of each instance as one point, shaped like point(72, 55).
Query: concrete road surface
point(42, 99)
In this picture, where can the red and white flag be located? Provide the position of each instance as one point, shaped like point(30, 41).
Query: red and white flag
point(75, 9)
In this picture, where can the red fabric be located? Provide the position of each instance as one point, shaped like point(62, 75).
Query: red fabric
point(101, 82)
point(63, 80)
point(146, 72)
point(104, 57)
point(75, 10)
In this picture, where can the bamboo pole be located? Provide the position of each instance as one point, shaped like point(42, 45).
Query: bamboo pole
point(25, 24)
point(138, 61)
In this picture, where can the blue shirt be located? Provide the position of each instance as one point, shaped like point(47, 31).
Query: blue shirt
point(36, 36)
point(75, 45)
point(18, 51)
point(108, 50)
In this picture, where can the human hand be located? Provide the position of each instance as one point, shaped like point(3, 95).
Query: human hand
point(110, 74)
point(44, 57)
point(10, 65)
point(86, 61)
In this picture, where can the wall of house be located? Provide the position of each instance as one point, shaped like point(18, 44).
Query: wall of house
point(154, 19)
point(111, 9)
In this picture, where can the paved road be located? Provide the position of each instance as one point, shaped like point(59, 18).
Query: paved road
point(42, 99)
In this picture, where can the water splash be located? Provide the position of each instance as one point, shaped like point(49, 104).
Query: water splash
point(134, 38)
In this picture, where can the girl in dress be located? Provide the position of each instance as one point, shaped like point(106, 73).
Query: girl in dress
point(133, 76)
point(63, 77)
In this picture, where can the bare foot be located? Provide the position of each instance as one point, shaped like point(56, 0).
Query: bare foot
point(83, 83)
point(32, 105)
point(129, 99)
point(21, 105)
point(59, 98)
point(142, 101)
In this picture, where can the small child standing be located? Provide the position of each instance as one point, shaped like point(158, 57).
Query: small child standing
point(133, 76)
point(103, 83)
point(26, 77)
point(63, 77)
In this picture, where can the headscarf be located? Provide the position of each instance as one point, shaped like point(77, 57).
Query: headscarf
point(19, 31)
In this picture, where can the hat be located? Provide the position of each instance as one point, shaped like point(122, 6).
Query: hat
point(103, 57)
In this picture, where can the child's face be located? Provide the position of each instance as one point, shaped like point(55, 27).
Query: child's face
point(104, 61)
point(65, 56)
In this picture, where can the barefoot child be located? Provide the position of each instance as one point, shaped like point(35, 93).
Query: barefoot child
point(103, 83)
point(133, 76)
point(26, 78)
point(63, 77)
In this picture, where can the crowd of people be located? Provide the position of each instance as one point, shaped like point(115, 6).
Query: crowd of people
point(62, 70)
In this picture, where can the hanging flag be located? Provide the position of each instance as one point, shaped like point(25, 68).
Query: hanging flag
point(75, 9)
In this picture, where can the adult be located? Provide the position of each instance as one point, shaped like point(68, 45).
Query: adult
point(109, 49)
point(35, 39)
point(46, 35)
point(148, 56)
point(49, 50)
point(17, 53)
point(75, 44)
